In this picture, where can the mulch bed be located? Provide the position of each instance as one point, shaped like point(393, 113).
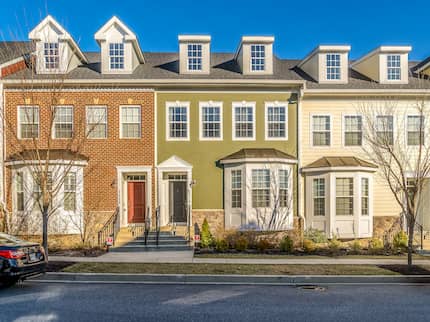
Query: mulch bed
point(84, 252)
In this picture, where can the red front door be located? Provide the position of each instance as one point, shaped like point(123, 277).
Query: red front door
point(136, 202)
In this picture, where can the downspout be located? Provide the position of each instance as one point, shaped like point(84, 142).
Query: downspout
point(299, 156)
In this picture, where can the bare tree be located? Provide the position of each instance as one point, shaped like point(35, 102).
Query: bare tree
point(49, 162)
point(396, 139)
point(272, 197)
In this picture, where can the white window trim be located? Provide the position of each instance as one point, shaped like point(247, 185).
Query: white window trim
point(311, 137)
point(53, 122)
point(250, 58)
point(86, 122)
point(406, 130)
point(120, 122)
point(18, 108)
point(394, 124)
point(400, 68)
point(177, 104)
point(326, 67)
point(266, 120)
point(210, 104)
point(344, 128)
point(109, 57)
point(188, 57)
point(233, 132)
point(326, 200)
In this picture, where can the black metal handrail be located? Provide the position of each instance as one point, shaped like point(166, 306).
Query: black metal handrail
point(147, 225)
point(109, 229)
point(157, 225)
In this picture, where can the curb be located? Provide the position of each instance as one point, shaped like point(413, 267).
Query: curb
point(61, 277)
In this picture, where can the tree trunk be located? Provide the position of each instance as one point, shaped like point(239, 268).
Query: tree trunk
point(411, 226)
point(45, 230)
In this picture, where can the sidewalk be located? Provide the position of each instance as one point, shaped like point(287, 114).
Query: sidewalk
point(188, 257)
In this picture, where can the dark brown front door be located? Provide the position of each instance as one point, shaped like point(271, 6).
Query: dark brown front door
point(178, 199)
point(136, 202)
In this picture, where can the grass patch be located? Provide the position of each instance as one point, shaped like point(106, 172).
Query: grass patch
point(240, 269)
point(304, 256)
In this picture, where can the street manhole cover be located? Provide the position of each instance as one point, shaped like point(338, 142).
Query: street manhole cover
point(311, 288)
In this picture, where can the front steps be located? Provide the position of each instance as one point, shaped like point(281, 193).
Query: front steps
point(126, 242)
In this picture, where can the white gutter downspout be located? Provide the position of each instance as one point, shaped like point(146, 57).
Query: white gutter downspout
point(299, 156)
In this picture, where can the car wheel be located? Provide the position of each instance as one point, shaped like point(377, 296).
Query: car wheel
point(8, 281)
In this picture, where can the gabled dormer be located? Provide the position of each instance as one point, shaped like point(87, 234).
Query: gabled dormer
point(120, 50)
point(194, 54)
point(327, 64)
point(385, 65)
point(255, 55)
point(55, 49)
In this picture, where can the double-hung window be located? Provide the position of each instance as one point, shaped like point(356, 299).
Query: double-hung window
point(130, 122)
point(243, 122)
point(116, 55)
point(276, 122)
point(260, 188)
point(211, 121)
point(344, 196)
point(236, 189)
point(318, 188)
point(38, 178)
point(321, 128)
point(258, 57)
point(51, 54)
point(333, 66)
point(364, 196)
point(283, 188)
point(194, 57)
point(28, 122)
point(96, 122)
point(385, 129)
point(177, 127)
point(393, 67)
point(415, 129)
point(70, 192)
point(19, 190)
point(353, 128)
point(63, 122)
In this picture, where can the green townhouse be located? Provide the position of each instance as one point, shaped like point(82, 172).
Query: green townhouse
point(226, 144)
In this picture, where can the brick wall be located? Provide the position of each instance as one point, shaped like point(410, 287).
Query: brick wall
point(100, 186)
point(13, 68)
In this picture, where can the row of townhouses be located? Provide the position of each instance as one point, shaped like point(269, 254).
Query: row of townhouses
point(230, 137)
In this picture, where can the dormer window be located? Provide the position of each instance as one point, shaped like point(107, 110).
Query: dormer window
point(194, 57)
point(52, 57)
point(393, 67)
point(333, 66)
point(258, 58)
point(116, 55)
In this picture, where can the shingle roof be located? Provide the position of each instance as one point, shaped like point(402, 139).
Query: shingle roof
point(10, 50)
point(54, 154)
point(159, 66)
point(258, 153)
point(334, 162)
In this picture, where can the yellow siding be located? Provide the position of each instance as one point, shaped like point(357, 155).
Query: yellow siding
point(383, 201)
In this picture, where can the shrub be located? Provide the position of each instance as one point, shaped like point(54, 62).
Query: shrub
point(376, 245)
point(356, 246)
point(263, 244)
point(400, 240)
point(315, 235)
point(221, 245)
point(286, 245)
point(241, 244)
point(206, 239)
point(309, 246)
point(334, 245)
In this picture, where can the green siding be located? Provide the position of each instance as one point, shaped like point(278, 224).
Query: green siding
point(203, 155)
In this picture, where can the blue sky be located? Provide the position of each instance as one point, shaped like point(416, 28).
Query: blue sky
point(298, 26)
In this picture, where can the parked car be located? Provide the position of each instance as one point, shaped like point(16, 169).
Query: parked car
point(19, 259)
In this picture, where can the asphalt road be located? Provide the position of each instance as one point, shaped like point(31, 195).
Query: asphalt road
point(125, 302)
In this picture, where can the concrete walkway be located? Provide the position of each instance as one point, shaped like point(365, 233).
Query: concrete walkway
point(188, 257)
